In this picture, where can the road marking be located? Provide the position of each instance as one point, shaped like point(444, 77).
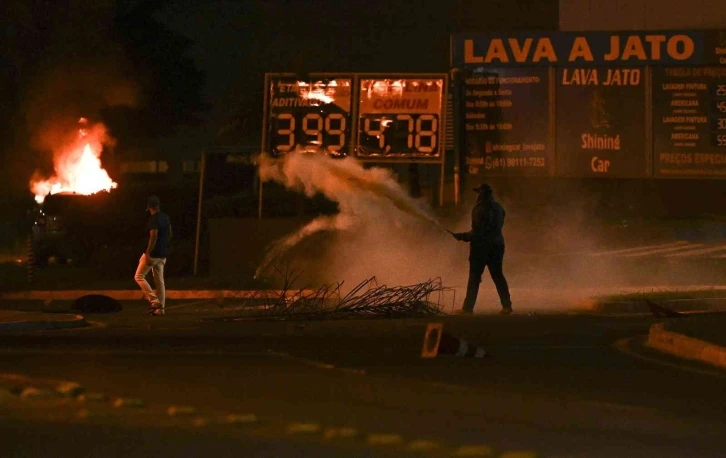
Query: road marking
point(473, 450)
point(303, 428)
point(422, 445)
point(201, 421)
point(698, 251)
point(93, 397)
point(69, 389)
point(342, 433)
point(240, 419)
point(128, 402)
point(638, 248)
point(623, 346)
point(448, 386)
point(309, 362)
point(85, 414)
point(207, 301)
point(518, 454)
point(36, 393)
point(352, 371)
point(661, 251)
point(175, 411)
point(384, 439)
point(128, 352)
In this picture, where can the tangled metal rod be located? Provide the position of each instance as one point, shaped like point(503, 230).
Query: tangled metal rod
point(368, 299)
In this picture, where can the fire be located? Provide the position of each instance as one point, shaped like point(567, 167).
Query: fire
point(78, 166)
point(316, 92)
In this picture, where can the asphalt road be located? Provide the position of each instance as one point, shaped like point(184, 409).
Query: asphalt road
point(555, 385)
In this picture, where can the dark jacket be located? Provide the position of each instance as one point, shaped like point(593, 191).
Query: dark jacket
point(487, 220)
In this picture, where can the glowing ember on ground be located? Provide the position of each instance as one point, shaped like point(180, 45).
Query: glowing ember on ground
point(77, 166)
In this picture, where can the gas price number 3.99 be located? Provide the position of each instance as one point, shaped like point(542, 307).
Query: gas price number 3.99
point(327, 132)
point(398, 134)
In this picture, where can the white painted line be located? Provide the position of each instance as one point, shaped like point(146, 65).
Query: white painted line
point(128, 402)
point(240, 419)
point(93, 397)
point(422, 445)
point(384, 439)
point(340, 433)
point(623, 346)
point(69, 389)
point(86, 414)
point(662, 251)
point(474, 450)
point(518, 454)
point(303, 428)
point(201, 421)
point(175, 411)
point(698, 252)
point(36, 393)
point(309, 362)
point(638, 248)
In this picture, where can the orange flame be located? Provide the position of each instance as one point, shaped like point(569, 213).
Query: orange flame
point(77, 167)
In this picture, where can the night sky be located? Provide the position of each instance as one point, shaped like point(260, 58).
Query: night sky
point(234, 43)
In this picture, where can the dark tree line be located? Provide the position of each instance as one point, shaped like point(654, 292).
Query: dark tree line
point(111, 61)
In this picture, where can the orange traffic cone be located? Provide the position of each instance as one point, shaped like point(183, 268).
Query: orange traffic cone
point(437, 342)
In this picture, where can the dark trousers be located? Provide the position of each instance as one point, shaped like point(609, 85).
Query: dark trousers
point(493, 257)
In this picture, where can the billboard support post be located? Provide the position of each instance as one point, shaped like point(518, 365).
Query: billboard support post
point(197, 238)
point(455, 86)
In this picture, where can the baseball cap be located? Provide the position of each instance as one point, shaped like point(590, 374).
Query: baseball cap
point(483, 188)
point(153, 202)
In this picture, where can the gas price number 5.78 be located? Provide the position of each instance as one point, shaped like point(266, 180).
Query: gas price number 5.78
point(399, 134)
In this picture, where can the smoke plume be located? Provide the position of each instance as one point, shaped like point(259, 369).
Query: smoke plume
point(557, 238)
point(367, 198)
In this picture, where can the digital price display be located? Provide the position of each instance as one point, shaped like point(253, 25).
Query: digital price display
point(400, 118)
point(309, 116)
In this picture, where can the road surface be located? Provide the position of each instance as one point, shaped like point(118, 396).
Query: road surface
point(561, 385)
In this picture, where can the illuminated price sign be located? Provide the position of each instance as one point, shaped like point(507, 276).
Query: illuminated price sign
point(718, 123)
point(400, 118)
point(719, 91)
point(718, 140)
point(719, 106)
point(309, 116)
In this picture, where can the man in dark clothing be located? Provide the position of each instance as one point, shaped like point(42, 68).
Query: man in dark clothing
point(486, 249)
point(154, 259)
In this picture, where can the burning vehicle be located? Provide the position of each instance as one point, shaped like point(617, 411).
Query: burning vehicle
point(67, 226)
point(71, 198)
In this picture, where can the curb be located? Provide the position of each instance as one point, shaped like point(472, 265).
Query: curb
point(136, 294)
point(686, 347)
point(40, 323)
point(641, 306)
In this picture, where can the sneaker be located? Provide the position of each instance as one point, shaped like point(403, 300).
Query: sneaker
point(463, 312)
point(506, 311)
point(156, 311)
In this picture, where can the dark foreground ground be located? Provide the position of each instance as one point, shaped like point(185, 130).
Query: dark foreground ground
point(564, 385)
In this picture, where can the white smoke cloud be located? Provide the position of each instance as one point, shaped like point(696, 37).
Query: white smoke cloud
point(376, 217)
